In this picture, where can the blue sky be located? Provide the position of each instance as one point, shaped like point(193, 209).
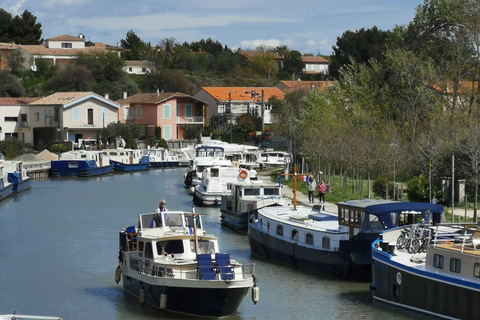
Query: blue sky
point(309, 26)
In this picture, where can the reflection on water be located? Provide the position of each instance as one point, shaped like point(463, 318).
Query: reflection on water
point(59, 248)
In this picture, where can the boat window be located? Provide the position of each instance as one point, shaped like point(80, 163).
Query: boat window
point(268, 226)
point(73, 164)
point(342, 215)
point(309, 239)
point(174, 220)
point(295, 235)
point(476, 270)
point(174, 246)
point(148, 250)
point(393, 218)
point(438, 261)
point(271, 191)
point(252, 192)
point(140, 248)
point(214, 172)
point(455, 265)
point(372, 224)
point(326, 243)
point(279, 230)
point(205, 247)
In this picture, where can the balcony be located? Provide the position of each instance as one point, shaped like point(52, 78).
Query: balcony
point(190, 120)
point(23, 124)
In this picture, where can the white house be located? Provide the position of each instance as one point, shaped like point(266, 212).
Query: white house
point(14, 118)
point(76, 115)
point(315, 65)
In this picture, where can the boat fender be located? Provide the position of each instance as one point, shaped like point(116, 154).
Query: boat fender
point(255, 294)
point(118, 274)
point(243, 174)
point(141, 296)
point(163, 301)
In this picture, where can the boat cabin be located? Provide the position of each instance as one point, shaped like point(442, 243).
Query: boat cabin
point(209, 152)
point(366, 218)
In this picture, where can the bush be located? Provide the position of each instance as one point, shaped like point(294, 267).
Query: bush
point(131, 143)
point(163, 144)
point(11, 148)
point(417, 189)
point(57, 148)
point(378, 188)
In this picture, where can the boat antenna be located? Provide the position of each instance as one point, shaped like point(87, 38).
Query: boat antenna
point(295, 174)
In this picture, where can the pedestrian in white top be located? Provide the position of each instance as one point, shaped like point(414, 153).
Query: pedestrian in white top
point(311, 184)
point(253, 174)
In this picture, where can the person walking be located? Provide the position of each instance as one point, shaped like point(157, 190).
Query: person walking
point(311, 183)
point(322, 188)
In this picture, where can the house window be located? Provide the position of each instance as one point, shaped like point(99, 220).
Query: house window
point(90, 117)
point(66, 45)
point(12, 119)
point(455, 265)
point(188, 110)
point(37, 116)
point(144, 70)
point(11, 135)
point(76, 114)
point(309, 239)
point(167, 133)
point(130, 69)
point(326, 243)
point(280, 230)
point(166, 111)
point(139, 112)
point(438, 261)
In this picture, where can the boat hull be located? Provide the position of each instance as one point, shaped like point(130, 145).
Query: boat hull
point(272, 248)
point(19, 184)
point(6, 192)
point(423, 291)
point(164, 164)
point(81, 168)
point(234, 220)
point(192, 300)
point(129, 167)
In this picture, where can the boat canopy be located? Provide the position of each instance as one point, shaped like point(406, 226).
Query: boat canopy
point(392, 215)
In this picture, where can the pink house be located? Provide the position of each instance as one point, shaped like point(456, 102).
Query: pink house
point(171, 111)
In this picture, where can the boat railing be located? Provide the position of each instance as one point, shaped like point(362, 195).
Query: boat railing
point(467, 239)
point(191, 271)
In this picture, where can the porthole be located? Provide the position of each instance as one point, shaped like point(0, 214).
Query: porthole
point(399, 278)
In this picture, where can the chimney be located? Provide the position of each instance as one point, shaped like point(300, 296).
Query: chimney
point(81, 36)
point(125, 95)
point(106, 96)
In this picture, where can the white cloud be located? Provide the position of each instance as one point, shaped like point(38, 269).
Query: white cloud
point(14, 8)
point(160, 22)
point(252, 44)
point(55, 3)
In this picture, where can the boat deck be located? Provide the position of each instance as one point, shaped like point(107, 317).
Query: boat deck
point(467, 249)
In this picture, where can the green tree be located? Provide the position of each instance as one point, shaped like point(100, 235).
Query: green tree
point(133, 47)
point(12, 147)
point(26, 30)
point(5, 26)
point(103, 66)
point(15, 60)
point(293, 63)
point(72, 78)
point(359, 46)
point(10, 86)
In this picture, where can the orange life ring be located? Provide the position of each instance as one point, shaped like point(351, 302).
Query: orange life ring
point(243, 174)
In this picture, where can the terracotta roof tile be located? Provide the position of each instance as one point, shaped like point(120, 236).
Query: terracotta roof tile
point(17, 101)
point(4, 45)
point(242, 93)
point(62, 98)
point(66, 37)
point(312, 59)
point(152, 98)
point(305, 85)
point(41, 50)
point(463, 87)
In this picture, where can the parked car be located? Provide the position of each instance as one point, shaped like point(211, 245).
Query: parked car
point(273, 143)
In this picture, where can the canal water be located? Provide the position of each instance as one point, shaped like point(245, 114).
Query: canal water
point(59, 248)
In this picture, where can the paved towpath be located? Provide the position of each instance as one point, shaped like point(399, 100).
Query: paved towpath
point(302, 199)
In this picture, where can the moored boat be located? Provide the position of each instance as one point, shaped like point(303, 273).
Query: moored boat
point(269, 159)
point(17, 316)
point(17, 175)
point(6, 187)
point(214, 184)
point(127, 160)
point(81, 163)
point(431, 269)
point(160, 158)
point(171, 263)
point(245, 198)
point(339, 243)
